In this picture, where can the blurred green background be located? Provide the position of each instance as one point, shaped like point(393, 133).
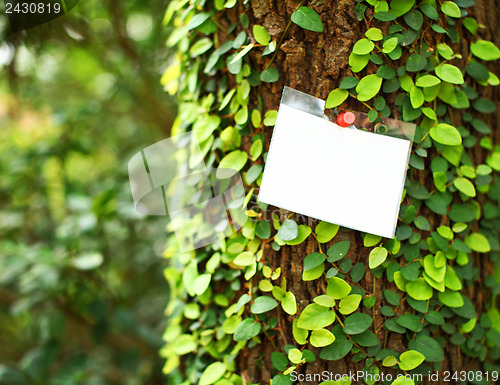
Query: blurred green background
point(82, 291)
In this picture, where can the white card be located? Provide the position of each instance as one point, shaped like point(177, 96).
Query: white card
point(344, 176)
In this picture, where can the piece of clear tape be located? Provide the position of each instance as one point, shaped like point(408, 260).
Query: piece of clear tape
point(316, 106)
point(204, 205)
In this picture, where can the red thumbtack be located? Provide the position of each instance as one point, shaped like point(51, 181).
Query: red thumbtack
point(345, 119)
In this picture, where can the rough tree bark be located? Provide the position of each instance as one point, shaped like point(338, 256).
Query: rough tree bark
point(315, 63)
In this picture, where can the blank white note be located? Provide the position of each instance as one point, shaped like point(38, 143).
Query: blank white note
point(340, 175)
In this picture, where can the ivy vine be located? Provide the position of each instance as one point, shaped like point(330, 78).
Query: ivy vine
point(225, 297)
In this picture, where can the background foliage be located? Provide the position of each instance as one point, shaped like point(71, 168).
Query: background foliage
point(81, 289)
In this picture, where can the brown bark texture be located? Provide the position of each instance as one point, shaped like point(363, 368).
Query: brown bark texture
point(315, 63)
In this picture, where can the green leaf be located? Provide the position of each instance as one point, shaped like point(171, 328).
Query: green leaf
point(451, 9)
point(446, 134)
point(389, 45)
point(325, 231)
point(416, 97)
point(377, 256)
point(308, 19)
point(449, 73)
point(261, 35)
point(410, 360)
point(313, 260)
point(324, 300)
point(245, 258)
point(349, 304)
point(242, 53)
point(348, 82)
point(427, 346)
point(315, 316)
point(263, 304)
point(336, 351)
point(465, 186)
point(445, 51)
point(358, 62)
point(270, 75)
point(336, 98)
point(363, 47)
point(200, 47)
point(400, 7)
point(279, 360)
point(321, 337)
point(478, 242)
point(289, 303)
point(295, 356)
point(357, 323)
point(368, 87)
point(299, 334)
point(337, 288)
point(429, 11)
point(256, 149)
point(212, 373)
point(419, 289)
point(414, 19)
point(232, 163)
point(390, 361)
point(312, 274)
point(247, 329)
point(338, 251)
point(304, 232)
point(201, 283)
point(427, 81)
point(288, 230)
point(374, 34)
point(485, 50)
point(371, 240)
point(451, 298)
point(470, 24)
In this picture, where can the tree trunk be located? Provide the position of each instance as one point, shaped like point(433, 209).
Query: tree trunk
point(315, 63)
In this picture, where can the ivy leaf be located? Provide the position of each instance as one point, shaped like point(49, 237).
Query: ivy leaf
point(414, 19)
point(289, 303)
point(465, 186)
point(232, 163)
point(339, 349)
point(308, 19)
point(419, 290)
point(446, 134)
point(261, 35)
point(429, 11)
point(270, 75)
point(212, 373)
point(368, 87)
point(338, 288)
point(478, 242)
point(410, 360)
point(427, 81)
point(389, 45)
point(449, 73)
point(325, 231)
point(313, 260)
point(400, 7)
point(428, 346)
point(357, 323)
point(349, 304)
point(336, 98)
point(321, 337)
point(295, 356)
point(288, 230)
point(363, 47)
point(374, 34)
point(371, 240)
point(451, 298)
point(315, 316)
point(303, 233)
point(242, 53)
point(377, 256)
point(358, 62)
point(338, 251)
point(247, 329)
point(451, 9)
point(416, 97)
point(485, 50)
point(263, 304)
point(348, 82)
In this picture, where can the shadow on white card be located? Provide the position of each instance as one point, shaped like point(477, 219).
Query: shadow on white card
point(341, 175)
